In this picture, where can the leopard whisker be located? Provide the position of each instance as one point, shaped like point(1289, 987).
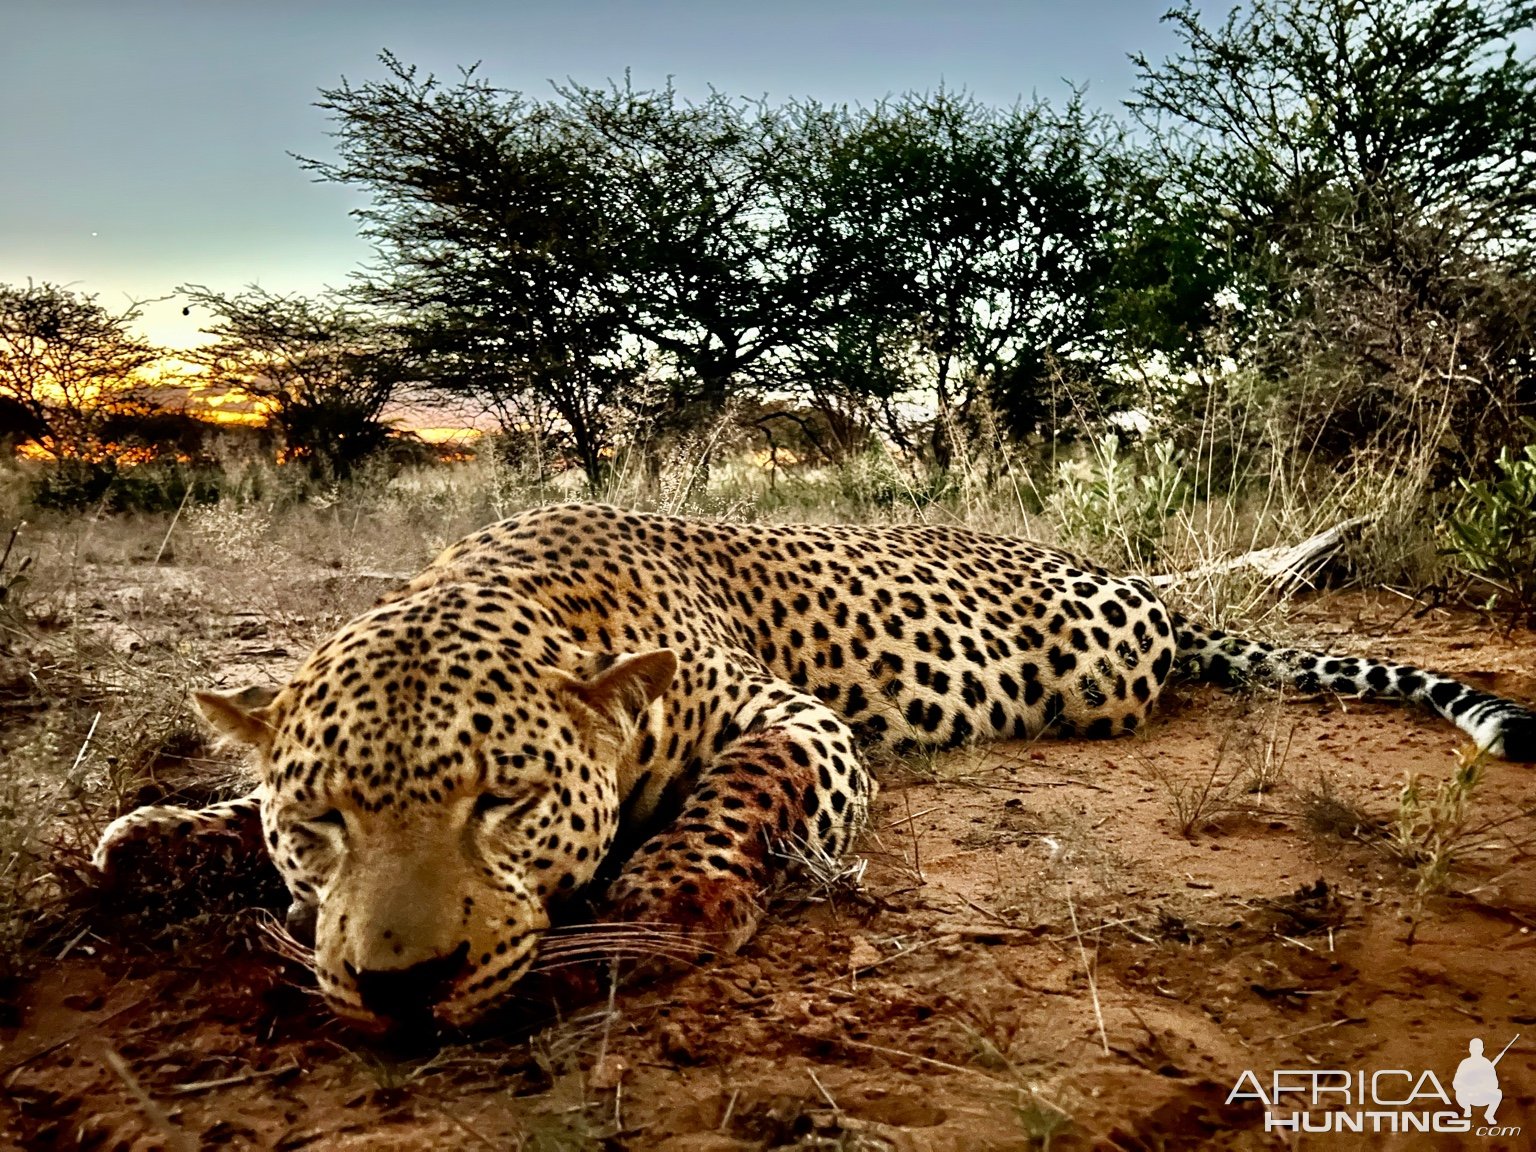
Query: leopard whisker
point(617, 947)
point(609, 932)
point(554, 947)
point(557, 963)
point(617, 926)
point(281, 941)
point(613, 948)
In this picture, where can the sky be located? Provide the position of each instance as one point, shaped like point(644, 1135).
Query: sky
point(146, 143)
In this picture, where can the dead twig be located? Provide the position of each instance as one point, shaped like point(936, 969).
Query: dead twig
point(180, 508)
point(1093, 984)
point(820, 1087)
point(1314, 1028)
point(197, 1086)
point(177, 1137)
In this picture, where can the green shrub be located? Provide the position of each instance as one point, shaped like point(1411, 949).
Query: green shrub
point(1115, 506)
point(158, 486)
point(1493, 532)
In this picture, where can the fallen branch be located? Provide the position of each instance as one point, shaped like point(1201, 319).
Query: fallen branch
point(1283, 566)
point(227, 1081)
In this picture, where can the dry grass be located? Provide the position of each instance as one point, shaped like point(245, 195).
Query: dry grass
point(1329, 815)
point(1196, 802)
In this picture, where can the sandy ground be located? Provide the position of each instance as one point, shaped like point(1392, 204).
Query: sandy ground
point(1037, 955)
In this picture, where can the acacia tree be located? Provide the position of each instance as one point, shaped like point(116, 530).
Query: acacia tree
point(492, 224)
point(1368, 164)
point(324, 370)
point(68, 366)
point(491, 228)
point(530, 376)
point(1321, 122)
point(972, 236)
point(547, 255)
point(1169, 261)
point(852, 373)
point(562, 249)
point(715, 242)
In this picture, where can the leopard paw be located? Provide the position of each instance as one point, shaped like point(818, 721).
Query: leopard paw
point(179, 849)
point(696, 917)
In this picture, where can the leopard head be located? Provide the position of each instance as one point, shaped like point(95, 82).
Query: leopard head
point(435, 777)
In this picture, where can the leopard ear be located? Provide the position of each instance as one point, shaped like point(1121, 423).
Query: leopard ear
point(245, 717)
point(626, 688)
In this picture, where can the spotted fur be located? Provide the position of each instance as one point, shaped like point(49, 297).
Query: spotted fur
point(652, 709)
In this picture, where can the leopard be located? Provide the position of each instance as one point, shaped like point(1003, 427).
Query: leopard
point(659, 715)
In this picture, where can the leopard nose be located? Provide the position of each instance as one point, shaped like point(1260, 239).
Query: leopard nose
point(300, 922)
point(408, 994)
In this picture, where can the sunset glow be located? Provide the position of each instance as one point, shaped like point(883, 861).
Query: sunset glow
point(445, 435)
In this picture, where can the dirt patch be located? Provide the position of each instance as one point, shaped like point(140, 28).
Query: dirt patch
point(1063, 944)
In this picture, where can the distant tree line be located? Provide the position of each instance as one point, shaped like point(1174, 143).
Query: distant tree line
point(1336, 195)
point(80, 387)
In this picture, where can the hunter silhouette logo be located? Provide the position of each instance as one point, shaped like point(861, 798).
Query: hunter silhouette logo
point(1477, 1080)
point(1381, 1100)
